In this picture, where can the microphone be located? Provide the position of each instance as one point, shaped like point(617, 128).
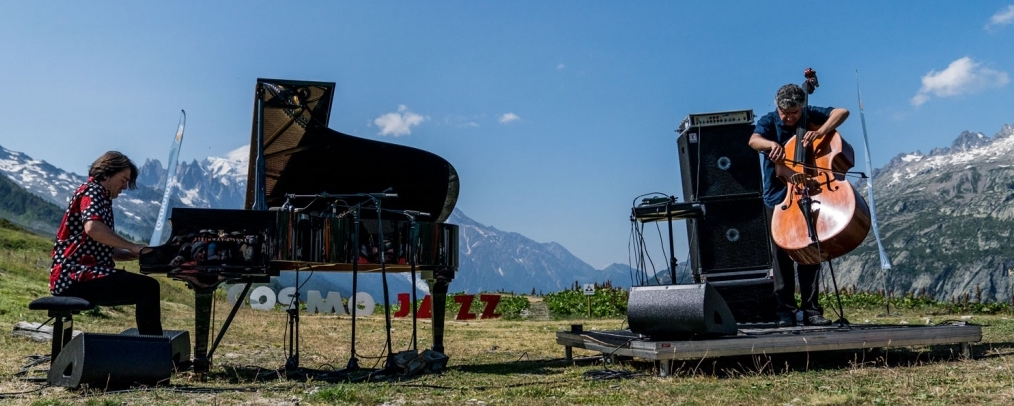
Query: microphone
point(382, 195)
point(416, 213)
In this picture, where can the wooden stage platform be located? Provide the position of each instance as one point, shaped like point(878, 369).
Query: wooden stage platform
point(758, 341)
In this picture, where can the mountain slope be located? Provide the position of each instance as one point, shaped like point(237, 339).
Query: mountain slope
point(946, 221)
point(135, 210)
point(26, 209)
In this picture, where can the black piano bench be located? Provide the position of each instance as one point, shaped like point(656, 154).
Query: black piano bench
point(62, 310)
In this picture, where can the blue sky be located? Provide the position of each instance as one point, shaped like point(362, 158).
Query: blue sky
point(555, 114)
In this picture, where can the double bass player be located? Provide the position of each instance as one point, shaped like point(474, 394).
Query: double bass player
point(771, 133)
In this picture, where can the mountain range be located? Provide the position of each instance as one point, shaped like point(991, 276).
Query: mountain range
point(489, 259)
point(945, 218)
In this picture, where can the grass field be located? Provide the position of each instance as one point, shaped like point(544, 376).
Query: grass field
point(496, 361)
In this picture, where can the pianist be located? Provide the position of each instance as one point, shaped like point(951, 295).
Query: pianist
point(86, 246)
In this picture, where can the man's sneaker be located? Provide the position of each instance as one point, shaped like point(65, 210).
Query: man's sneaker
point(817, 320)
point(786, 321)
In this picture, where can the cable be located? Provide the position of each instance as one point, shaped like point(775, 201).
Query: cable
point(7, 395)
point(33, 360)
point(606, 373)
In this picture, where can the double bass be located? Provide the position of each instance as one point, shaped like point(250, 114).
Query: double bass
point(822, 216)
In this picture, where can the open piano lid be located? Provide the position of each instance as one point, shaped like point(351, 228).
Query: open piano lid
point(304, 157)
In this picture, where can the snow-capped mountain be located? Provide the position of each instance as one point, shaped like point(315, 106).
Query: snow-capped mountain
point(135, 210)
point(215, 182)
point(489, 259)
point(946, 221)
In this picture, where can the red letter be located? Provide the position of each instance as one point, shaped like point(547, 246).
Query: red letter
point(466, 304)
point(425, 309)
point(403, 305)
point(491, 302)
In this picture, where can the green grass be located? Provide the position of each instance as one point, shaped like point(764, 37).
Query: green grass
point(510, 361)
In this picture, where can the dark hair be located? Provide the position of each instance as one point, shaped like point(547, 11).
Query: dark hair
point(111, 163)
point(790, 96)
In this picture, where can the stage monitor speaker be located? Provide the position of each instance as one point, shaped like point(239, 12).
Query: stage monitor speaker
point(718, 161)
point(678, 311)
point(750, 300)
point(112, 361)
point(179, 342)
point(733, 235)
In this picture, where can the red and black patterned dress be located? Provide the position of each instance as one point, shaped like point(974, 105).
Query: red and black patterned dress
point(76, 256)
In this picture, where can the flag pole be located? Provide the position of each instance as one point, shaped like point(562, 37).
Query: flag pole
point(885, 263)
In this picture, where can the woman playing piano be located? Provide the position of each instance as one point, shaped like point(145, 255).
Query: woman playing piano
point(86, 246)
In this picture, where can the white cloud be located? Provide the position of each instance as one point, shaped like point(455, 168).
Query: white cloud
point(508, 117)
point(1002, 17)
point(239, 154)
point(963, 76)
point(398, 123)
point(561, 66)
point(460, 122)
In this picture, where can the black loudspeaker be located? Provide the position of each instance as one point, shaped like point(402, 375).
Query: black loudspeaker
point(749, 300)
point(179, 344)
point(112, 361)
point(717, 161)
point(732, 235)
point(678, 311)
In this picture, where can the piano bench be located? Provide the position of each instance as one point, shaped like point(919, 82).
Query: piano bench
point(62, 310)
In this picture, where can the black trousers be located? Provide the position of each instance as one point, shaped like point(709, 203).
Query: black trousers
point(785, 272)
point(125, 288)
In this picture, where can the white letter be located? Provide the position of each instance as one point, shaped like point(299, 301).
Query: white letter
point(366, 301)
point(262, 298)
point(286, 296)
point(315, 303)
point(233, 294)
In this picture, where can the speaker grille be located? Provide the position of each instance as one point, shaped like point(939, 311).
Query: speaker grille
point(749, 301)
point(733, 235)
point(718, 161)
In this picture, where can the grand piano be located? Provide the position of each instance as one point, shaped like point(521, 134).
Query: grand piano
point(320, 200)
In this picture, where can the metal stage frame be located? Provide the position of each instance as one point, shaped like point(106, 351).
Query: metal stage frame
point(766, 341)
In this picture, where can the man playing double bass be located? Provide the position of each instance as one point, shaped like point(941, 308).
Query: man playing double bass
point(771, 133)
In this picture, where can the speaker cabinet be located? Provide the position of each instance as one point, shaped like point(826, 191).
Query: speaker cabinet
point(733, 235)
point(718, 162)
point(749, 300)
point(112, 361)
point(179, 343)
point(678, 311)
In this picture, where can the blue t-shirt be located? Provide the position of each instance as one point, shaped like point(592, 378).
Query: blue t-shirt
point(771, 127)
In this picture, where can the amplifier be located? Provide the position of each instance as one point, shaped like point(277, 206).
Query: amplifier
point(647, 212)
point(719, 118)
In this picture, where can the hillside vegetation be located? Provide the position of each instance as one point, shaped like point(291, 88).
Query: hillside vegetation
point(26, 209)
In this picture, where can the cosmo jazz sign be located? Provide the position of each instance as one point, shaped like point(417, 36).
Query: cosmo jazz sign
point(265, 298)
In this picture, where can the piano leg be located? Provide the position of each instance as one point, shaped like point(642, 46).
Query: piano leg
point(438, 292)
point(202, 329)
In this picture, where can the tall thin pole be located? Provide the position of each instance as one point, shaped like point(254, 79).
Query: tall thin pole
point(885, 263)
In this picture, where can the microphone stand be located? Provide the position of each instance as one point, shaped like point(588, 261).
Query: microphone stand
point(412, 241)
point(381, 251)
point(353, 364)
point(292, 360)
